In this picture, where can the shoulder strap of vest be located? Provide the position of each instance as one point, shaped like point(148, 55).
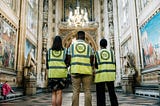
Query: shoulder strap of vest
point(64, 53)
point(49, 51)
point(72, 47)
point(112, 56)
point(97, 56)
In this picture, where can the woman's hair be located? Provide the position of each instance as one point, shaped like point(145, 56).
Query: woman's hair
point(57, 43)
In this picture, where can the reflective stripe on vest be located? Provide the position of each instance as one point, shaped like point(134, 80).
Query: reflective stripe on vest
point(80, 61)
point(106, 66)
point(57, 67)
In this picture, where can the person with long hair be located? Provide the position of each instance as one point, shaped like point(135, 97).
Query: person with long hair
point(57, 70)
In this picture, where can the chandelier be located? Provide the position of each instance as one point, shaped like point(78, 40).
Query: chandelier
point(79, 18)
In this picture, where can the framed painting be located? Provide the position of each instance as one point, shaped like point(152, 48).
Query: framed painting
point(8, 37)
point(150, 41)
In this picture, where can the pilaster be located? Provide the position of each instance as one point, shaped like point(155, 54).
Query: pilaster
point(21, 42)
point(39, 43)
point(116, 43)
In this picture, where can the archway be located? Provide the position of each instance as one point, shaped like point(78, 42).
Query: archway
point(68, 38)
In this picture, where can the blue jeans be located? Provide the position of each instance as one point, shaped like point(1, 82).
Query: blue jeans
point(86, 81)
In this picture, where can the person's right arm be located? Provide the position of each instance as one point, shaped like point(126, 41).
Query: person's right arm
point(47, 60)
point(96, 64)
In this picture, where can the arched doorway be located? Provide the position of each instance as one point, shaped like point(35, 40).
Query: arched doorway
point(67, 40)
point(69, 34)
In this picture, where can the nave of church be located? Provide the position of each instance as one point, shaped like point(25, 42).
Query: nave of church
point(28, 27)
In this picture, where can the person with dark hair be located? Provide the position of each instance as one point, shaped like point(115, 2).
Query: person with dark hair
point(105, 74)
point(80, 57)
point(6, 89)
point(57, 70)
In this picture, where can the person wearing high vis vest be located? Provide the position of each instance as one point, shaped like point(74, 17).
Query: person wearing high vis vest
point(80, 57)
point(57, 70)
point(105, 74)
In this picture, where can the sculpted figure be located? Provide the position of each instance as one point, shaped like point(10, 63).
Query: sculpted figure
point(30, 68)
point(129, 64)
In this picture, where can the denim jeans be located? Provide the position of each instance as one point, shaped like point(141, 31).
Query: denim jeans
point(86, 81)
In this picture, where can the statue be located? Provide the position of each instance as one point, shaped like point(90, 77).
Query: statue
point(85, 15)
point(110, 6)
point(129, 65)
point(30, 67)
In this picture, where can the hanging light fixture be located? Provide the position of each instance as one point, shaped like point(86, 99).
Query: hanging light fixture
point(78, 17)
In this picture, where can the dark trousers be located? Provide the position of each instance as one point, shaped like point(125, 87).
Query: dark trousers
point(100, 91)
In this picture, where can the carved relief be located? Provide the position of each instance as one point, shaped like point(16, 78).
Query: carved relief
point(11, 4)
point(145, 2)
point(151, 77)
point(124, 14)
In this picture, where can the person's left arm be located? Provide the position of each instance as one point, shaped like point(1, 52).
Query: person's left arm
point(92, 57)
point(68, 57)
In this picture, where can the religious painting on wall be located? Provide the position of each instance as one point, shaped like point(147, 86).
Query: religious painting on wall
point(150, 41)
point(86, 6)
point(8, 36)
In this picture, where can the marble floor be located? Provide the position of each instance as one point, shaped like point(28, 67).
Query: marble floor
point(44, 99)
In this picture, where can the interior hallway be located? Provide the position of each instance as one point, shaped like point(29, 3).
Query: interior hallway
point(44, 99)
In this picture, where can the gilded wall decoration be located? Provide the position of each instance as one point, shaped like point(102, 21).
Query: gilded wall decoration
point(150, 41)
point(8, 36)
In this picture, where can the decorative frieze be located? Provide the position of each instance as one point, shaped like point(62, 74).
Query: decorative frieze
point(150, 78)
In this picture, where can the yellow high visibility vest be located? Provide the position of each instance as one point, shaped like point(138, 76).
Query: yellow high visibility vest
point(57, 67)
point(80, 58)
point(106, 66)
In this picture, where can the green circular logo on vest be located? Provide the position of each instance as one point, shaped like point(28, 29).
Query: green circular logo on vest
point(80, 47)
point(56, 53)
point(105, 55)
